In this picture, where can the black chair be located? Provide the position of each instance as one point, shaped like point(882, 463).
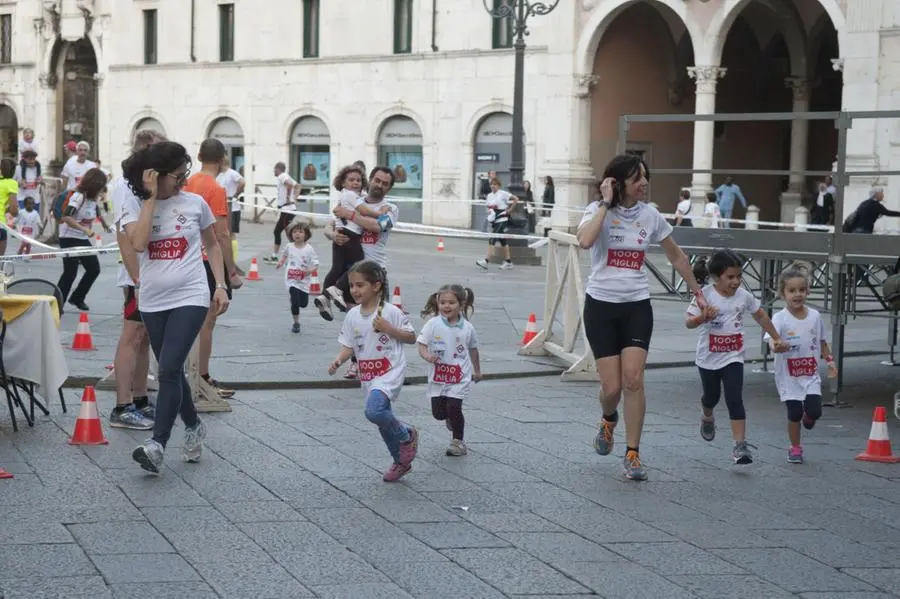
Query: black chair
point(8, 384)
point(37, 287)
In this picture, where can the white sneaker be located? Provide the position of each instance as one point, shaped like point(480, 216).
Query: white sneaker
point(193, 442)
point(457, 448)
point(482, 263)
point(506, 266)
point(149, 456)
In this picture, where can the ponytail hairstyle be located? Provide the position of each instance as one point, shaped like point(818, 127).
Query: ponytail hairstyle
point(701, 272)
point(373, 273)
point(464, 295)
point(92, 183)
point(164, 157)
point(795, 270)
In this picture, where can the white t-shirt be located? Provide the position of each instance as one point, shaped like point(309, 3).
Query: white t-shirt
point(617, 257)
point(172, 272)
point(282, 182)
point(684, 207)
point(381, 358)
point(298, 266)
point(85, 214)
point(351, 201)
point(374, 245)
point(73, 171)
point(28, 223)
point(118, 196)
point(713, 213)
point(230, 180)
point(29, 186)
point(24, 146)
point(722, 339)
point(451, 375)
point(797, 370)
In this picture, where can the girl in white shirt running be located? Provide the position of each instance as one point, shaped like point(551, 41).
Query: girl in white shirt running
point(451, 345)
point(28, 222)
point(375, 332)
point(301, 260)
point(797, 366)
point(720, 349)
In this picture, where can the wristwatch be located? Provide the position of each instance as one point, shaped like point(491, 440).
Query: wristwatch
point(221, 286)
point(605, 203)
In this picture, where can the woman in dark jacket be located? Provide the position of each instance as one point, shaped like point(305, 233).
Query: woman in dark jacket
point(548, 198)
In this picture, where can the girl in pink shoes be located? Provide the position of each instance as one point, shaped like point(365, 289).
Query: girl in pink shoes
point(449, 342)
point(301, 260)
point(375, 332)
point(720, 349)
point(797, 365)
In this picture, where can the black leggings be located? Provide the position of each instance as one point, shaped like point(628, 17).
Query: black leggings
point(812, 405)
point(342, 258)
point(70, 270)
point(732, 378)
point(284, 219)
point(450, 408)
point(299, 299)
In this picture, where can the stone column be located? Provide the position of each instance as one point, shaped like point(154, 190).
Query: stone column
point(573, 174)
point(706, 79)
point(792, 198)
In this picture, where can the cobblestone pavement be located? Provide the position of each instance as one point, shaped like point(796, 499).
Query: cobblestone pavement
point(288, 502)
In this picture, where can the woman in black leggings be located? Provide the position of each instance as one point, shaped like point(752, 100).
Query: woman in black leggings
point(75, 231)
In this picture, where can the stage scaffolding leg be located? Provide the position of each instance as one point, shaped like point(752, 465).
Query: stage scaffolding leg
point(840, 304)
point(892, 340)
point(767, 298)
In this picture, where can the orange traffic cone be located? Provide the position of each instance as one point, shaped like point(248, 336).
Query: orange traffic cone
point(879, 447)
point(83, 340)
point(88, 429)
point(5, 474)
point(396, 300)
point(253, 275)
point(530, 330)
point(315, 288)
point(98, 241)
point(440, 246)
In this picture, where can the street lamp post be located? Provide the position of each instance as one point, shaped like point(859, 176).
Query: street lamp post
point(518, 12)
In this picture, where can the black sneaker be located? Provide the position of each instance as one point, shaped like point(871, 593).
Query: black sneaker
point(80, 305)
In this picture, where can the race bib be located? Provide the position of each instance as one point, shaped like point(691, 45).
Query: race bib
point(448, 374)
point(86, 222)
point(630, 259)
point(296, 274)
point(726, 343)
point(372, 369)
point(30, 184)
point(369, 237)
point(26, 230)
point(167, 249)
point(802, 366)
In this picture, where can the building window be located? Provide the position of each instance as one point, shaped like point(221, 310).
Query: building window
point(5, 39)
point(310, 28)
point(226, 32)
point(502, 31)
point(150, 36)
point(403, 26)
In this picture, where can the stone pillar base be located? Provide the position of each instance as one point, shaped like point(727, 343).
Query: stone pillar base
point(789, 201)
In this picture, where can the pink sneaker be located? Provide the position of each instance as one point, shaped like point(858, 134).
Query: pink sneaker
point(396, 472)
point(795, 455)
point(409, 449)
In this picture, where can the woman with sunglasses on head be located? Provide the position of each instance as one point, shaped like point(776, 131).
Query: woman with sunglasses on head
point(618, 320)
point(167, 227)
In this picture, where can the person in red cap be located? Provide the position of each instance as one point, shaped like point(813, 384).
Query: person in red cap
point(69, 148)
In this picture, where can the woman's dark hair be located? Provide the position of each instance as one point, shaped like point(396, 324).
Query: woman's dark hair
point(165, 157)
point(373, 273)
point(623, 168)
point(464, 295)
point(711, 196)
point(685, 194)
point(92, 183)
point(549, 181)
point(7, 168)
point(342, 174)
point(720, 261)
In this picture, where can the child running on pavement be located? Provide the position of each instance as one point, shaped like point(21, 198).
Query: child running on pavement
point(720, 349)
point(301, 260)
point(375, 332)
point(451, 345)
point(797, 367)
point(28, 222)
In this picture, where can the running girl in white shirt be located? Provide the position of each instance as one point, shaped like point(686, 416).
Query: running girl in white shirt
point(375, 332)
point(797, 366)
point(712, 212)
point(720, 349)
point(28, 222)
point(301, 260)
point(451, 345)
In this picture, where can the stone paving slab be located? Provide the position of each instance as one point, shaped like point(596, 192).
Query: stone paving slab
point(531, 511)
point(253, 342)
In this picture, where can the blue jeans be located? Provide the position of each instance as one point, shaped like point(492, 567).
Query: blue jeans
point(726, 213)
point(378, 411)
point(172, 334)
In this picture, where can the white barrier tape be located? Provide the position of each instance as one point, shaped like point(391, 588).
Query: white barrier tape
point(60, 254)
point(401, 227)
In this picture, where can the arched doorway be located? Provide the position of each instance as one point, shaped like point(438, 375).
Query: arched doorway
point(9, 133)
point(149, 124)
point(492, 151)
point(77, 88)
point(227, 130)
point(652, 80)
point(400, 149)
point(310, 143)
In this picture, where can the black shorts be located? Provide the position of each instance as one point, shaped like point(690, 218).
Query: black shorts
point(211, 281)
point(2, 234)
point(236, 221)
point(611, 327)
point(130, 311)
point(499, 229)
